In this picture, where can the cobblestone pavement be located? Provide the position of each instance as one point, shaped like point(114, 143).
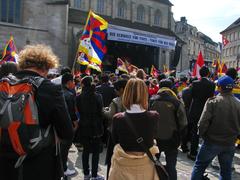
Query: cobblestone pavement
point(184, 166)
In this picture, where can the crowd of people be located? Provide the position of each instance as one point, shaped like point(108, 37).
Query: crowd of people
point(94, 112)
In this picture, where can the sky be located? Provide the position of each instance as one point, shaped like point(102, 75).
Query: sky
point(208, 16)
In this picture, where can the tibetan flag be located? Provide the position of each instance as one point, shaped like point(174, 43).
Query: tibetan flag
point(121, 66)
point(225, 41)
point(198, 65)
point(95, 66)
point(9, 52)
point(154, 71)
point(92, 47)
point(223, 68)
point(131, 68)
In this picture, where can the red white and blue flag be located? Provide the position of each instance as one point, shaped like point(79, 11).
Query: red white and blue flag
point(92, 47)
point(9, 52)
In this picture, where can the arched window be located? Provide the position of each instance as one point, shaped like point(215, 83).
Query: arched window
point(10, 11)
point(157, 17)
point(100, 6)
point(121, 9)
point(78, 4)
point(140, 13)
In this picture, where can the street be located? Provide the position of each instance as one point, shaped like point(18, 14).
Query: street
point(184, 166)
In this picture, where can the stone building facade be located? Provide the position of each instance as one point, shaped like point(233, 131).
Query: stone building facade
point(231, 51)
point(195, 41)
point(59, 23)
point(35, 21)
point(147, 16)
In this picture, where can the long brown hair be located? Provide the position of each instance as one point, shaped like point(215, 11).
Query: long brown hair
point(135, 92)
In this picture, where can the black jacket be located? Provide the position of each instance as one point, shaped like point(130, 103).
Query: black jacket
point(90, 106)
point(71, 103)
point(52, 110)
point(108, 93)
point(201, 90)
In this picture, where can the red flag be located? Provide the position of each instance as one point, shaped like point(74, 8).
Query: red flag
point(198, 65)
point(225, 41)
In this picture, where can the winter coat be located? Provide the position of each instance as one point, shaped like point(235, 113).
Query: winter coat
point(108, 93)
point(89, 105)
point(131, 167)
point(220, 120)
point(51, 110)
point(173, 118)
point(201, 90)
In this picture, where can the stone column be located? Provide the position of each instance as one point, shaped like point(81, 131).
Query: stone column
point(150, 15)
point(114, 9)
point(133, 9)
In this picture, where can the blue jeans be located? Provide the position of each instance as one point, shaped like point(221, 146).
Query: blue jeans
point(206, 154)
point(171, 161)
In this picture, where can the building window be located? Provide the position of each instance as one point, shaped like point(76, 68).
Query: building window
point(140, 13)
point(121, 9)
point(235, 36)
point(78, 4)
point(10, 11)
point(100, 6)
point(157, 17)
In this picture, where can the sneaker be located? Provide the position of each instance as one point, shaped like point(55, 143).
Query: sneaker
point(69, 172)
point(87, 177)
point(99, 177)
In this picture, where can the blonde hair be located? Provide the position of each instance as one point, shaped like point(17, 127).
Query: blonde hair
point(38, 56)
point(135, 92)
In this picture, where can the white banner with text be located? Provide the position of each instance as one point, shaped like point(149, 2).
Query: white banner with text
point(123, 34)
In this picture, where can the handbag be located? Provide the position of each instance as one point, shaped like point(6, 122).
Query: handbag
point(160, 169)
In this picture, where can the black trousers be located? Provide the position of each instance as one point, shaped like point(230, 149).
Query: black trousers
point(94, 147)
point(194, 140)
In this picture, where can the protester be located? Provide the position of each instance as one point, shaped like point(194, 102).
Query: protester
point(201, 90)
point(115, 107)
point(68, 85)
point(8, 68)
point(219, 128)
point(106, 90)
point(141, 74)
point(186, 97)
point(35, 61)
point(90, 130)
point(171, 125)
point(129, 160)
